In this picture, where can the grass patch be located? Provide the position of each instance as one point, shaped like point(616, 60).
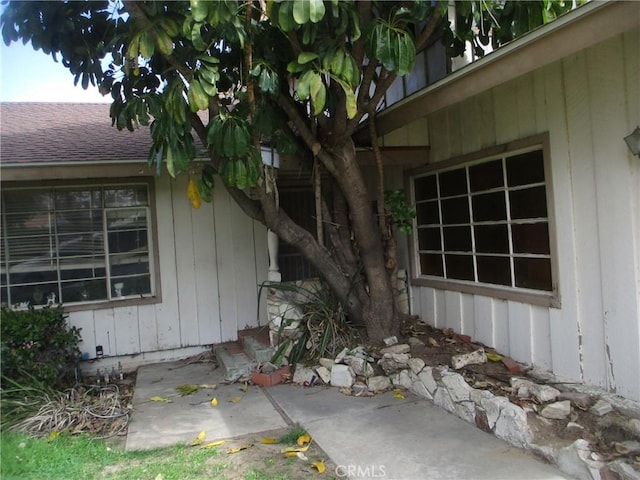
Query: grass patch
point(292, 435)
point(67, 457)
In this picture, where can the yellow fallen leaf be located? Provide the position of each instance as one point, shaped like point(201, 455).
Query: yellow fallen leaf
point(295, 449)
point(397, 393)
point(54, 434)
point(217, 443)
point(302, 439)
point(160, 399)
point(290, 454)
point(493, 357)
point(214, 402)
point(240, 448)
point(269, 440)
point(199, 439)
point(319, 466)
point(235, 399)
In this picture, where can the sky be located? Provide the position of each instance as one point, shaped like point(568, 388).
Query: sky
point(27, 75)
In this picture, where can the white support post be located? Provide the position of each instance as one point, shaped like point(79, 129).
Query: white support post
point(272, 244)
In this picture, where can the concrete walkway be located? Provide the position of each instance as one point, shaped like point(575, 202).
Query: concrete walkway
point(371, 437)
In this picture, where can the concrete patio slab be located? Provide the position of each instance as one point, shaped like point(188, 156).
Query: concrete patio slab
point(404, 439)
point(367, 437)
point(159, 424)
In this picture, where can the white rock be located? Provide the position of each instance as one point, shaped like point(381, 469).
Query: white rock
point(392, 362)
point(575, 460)
point(420, 390)
point(601, 408)
point(473, 358)
point(512, 426)
point(634, 423)
point(303, 374)
point(390, 341)
point(378, 383)
point(457, 387)
point(557, 410)
point(341, 355)
point(342, 376)
point(324, 373)
point(360, 366)
point(527, 389)
point(426, 377)
point(625, 471)
point(326, 363)
point(476, 395)
point(399, 348)
point(416, 365)
point(359, 388)
point(402, 379)
point(466, 411)
point(443, 399)
point(415, 342)
point(493, 406)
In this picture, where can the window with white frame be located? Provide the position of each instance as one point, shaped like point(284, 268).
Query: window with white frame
point(76, 244)
point(485, 223)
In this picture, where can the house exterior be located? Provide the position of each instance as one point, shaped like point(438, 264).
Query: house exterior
point(146, 276)
point(527, 234)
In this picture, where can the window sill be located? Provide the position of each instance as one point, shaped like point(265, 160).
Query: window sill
point(126, 302)
point(544, 299)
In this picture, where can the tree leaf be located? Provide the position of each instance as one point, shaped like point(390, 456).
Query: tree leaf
point(301, 11)
point(269, 440)
point(302, 439)
point(199, 439)
point(199, 9)
point(319, 465)
point(214, 402)
point(306, 57)
point(240, 448)
point(217, 443)
point(316, 10)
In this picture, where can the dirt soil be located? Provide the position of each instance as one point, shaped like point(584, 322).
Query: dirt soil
point(604, 433)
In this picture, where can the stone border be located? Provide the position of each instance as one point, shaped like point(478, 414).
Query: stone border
point(491, 413)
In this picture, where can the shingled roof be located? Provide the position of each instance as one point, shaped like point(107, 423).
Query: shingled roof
point(66, 133)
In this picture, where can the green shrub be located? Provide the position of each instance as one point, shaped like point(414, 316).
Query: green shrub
point(38, 345)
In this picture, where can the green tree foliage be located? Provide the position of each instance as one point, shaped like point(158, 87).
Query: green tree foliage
point(300, 76)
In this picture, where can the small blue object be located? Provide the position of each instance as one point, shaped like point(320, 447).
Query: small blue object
point(85, 356)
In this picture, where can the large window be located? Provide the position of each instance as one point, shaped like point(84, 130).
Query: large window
point(486, 223)
point(76, 244)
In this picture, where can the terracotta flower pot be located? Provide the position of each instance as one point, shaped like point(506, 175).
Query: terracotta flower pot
point(273, 378)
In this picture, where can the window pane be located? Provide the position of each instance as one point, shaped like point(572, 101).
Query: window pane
point(457, 239)
point(531, 238)
point(489, 207)
point(32, 248)
point(455, 210)
point(431, 264)
point(494, 270)
point(492, 238)
point(429, 239)
point(453, 182)
point(84, 291)
point(138, 285)
point(82, 270)
point(427, 213)
point(128, 241)
point(28, 200)
point(79, 221)
point(528, 203)
point(33, 271)
point(459, 267)
point(123, 265)
point(27, 224)
point(525, 168)
point(78, 199)
point(76, 245)
point(486, 176)
point(425, 188)
point(534, 273)
point(125, 196)
point(34, 294)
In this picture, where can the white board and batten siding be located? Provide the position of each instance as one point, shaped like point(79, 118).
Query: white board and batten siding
point(211, 261)
point(587, 103)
